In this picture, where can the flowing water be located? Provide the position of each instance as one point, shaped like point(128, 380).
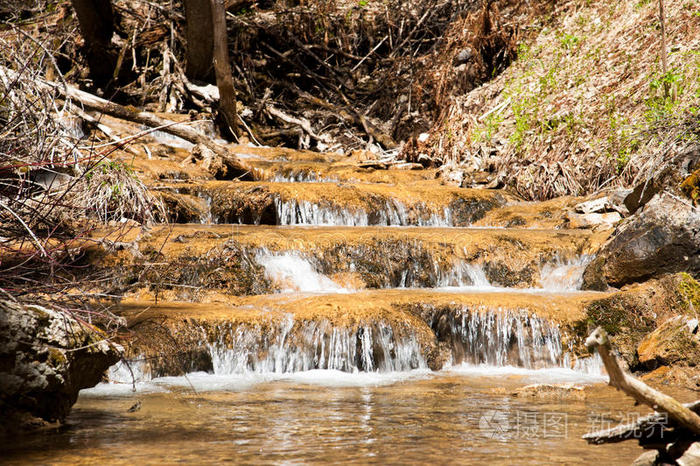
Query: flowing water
point(463, 416)
point(326, 372)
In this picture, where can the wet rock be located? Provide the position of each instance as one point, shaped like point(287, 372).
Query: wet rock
point(691, 456)
point(676, 341)
point(591, 220)
point(504, 274)
point(551, 392)
point(46, 358)
point(641, 195)
point(664, 237)
point(631, 314)
point(675, 376)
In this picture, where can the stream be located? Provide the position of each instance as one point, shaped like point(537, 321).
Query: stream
point(355, 322)
point(464, 415)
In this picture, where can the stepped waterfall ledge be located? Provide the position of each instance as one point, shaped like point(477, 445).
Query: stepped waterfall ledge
point(365, 232)
point(420, 337)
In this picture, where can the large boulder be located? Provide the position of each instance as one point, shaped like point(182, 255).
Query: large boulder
point(46, 358)
point(664, 237)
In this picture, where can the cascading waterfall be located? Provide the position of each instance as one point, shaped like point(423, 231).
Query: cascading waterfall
point(290, 271)
point(290, 345)
point(391, 213)
point(564, 275)
point(295, 346)
point(502, 338)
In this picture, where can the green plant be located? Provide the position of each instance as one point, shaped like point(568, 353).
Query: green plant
point(568, 41)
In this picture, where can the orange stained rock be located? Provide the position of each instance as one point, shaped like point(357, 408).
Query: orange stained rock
point(355, 307)
point(467, 243)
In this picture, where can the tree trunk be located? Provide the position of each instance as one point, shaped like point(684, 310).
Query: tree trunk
point(222, 66)
point(200, 42)
point(96, 22)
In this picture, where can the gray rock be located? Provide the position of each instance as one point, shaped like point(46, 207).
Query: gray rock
point(590, 220)
point(691, 456)
point(46, 358)
point(663, 237)
point(463, 56)
point(648, 458)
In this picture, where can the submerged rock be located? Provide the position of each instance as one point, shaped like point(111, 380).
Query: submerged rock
point(46, 358)
point(664, 237)
point(551, 392)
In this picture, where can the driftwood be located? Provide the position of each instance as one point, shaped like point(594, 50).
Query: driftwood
point(637, 389)
point(303, 123)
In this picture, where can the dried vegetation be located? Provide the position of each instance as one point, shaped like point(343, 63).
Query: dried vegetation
point(586, 105)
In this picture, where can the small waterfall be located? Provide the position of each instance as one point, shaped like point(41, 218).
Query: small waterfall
point(291, 176)
point(463, 274)
point(501, 338)
point(592, 365)
point(294, 271)
point(291, 272)
point(208, 218)
point(391, 213)
point(133, 371)
point(560, 275)
point(294, 345)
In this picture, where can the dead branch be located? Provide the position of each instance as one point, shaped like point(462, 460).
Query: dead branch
point(652, 427)
point(636, 388)
point(303, 123)
point(132, 114)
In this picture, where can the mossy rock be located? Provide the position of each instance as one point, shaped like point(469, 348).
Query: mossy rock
point(632, 314)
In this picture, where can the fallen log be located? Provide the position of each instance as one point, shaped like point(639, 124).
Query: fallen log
point(303, 123)
point(135, 115)
point(637, 389)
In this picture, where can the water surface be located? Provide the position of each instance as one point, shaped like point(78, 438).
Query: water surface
point(464, 416)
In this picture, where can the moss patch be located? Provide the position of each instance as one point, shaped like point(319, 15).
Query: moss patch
point(689, 289)
point(56, 358)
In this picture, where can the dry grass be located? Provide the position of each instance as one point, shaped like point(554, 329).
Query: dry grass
point(583, 107)
point(55, 186)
